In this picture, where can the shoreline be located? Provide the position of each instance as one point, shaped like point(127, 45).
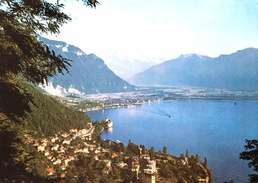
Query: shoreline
point(233, 99)
point(111, 107)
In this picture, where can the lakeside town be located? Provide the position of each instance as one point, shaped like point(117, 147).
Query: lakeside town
point(90, 147)
point(141, 165)
point(91, 102)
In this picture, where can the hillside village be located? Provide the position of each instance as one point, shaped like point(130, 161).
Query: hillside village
point(65, 147)
point(60, 149)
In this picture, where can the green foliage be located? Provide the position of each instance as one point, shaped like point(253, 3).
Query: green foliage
point(91, 3)
point(37, 165)
point(211, 176)
point(13, 102)
point(35, 111)
point(86, 169)
point(143, 149)
point(165, 150)
point(22, 107)
point(9, 140)
point(88, 104)
point(99, 127)
point(205, 163)
point(48, 116)
point(176, 171)
point(133, 148)
point(118, 147)
point(186, 153)
point(198, 158)
point(182, 156)
point(18, 159)
point(116, 172)
point(251, 155)
point(152, 153)
point(168, 170)
point(20, 51)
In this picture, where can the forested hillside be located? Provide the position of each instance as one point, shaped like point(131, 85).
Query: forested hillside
point(24, 111)
point(36, 111)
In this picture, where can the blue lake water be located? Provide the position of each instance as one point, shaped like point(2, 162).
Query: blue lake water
point(213, 129)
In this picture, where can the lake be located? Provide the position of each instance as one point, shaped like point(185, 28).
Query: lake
point(211, 128)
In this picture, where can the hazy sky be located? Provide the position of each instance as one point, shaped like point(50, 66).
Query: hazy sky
point(162, 28)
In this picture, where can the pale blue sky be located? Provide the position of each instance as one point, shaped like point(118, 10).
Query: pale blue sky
point(162, 28)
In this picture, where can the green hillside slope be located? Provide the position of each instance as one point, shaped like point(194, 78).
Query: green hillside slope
point(24, 111)
point(36, 111)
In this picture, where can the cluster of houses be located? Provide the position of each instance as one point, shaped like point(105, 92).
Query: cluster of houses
point(143, 168)
point(60, 149)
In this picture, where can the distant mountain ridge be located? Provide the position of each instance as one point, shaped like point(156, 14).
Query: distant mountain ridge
point(87, 74)
point(126, 67)
point(237, 71)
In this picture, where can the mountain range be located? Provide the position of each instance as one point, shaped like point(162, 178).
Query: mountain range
point(87, 74)
point(236, 71)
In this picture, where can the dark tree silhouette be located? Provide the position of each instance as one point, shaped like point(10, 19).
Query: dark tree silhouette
point(251, 154)
point(165, 150)
point(21, 53)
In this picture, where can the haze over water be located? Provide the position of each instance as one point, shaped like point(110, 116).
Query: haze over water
point(213, 129)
